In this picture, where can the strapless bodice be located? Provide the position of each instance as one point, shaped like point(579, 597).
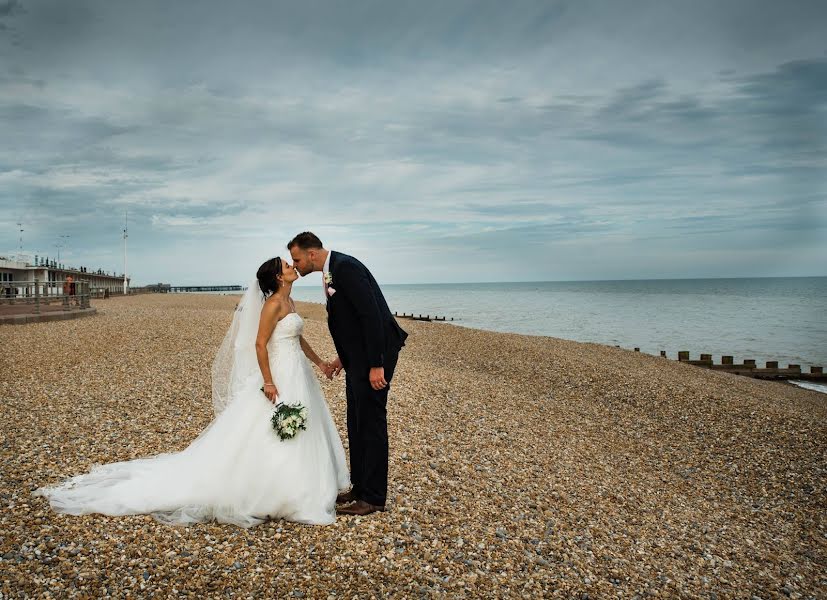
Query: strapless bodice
point(289, 328)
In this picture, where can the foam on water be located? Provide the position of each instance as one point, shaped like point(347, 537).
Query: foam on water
point(809, 385)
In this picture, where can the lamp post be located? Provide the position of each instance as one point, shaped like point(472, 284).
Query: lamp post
point(20, 251)
point(125, 235)
point(61, 244)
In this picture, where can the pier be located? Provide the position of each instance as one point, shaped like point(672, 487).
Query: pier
point(205, 288)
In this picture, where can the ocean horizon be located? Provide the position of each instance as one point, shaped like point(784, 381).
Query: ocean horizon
point(760, 318)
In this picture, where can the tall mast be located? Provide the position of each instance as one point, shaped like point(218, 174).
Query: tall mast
point(125, 235)
point(20, 251)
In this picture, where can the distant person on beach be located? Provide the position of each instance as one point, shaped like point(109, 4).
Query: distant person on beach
point(368, 340)
point(238, 470)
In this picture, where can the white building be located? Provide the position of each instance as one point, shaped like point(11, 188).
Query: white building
point(15, 270)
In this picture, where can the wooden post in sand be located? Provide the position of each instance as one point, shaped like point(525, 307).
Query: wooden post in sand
point(772, 364)
point(84, 299)
point(36, 296)
point(727, 360)
point(816, 370)
point(683, 355)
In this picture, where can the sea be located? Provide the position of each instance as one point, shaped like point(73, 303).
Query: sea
point(772, 318)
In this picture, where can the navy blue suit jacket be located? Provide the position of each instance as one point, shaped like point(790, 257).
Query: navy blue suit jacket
point(362, 327)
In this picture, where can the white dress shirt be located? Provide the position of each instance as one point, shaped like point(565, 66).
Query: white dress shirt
point(325, 271)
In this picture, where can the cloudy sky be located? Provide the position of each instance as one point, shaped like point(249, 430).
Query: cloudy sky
point(437, 141)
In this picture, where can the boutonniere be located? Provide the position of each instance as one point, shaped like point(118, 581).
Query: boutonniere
point(328, 278)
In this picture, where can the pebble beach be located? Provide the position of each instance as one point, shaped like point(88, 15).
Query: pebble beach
point(520, 466)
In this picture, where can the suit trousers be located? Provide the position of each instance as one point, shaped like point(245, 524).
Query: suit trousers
point(367, 433)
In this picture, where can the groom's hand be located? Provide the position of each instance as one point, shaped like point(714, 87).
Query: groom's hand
point(336, 365)
point(377, 378)
point(327, 369)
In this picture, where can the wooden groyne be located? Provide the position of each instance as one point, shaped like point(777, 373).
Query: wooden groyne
point(749, 368)
point(428, 318)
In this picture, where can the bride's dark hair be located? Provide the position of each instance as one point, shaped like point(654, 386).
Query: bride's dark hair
point(266, 276)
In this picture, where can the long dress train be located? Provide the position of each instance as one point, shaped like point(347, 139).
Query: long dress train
point(237, 470)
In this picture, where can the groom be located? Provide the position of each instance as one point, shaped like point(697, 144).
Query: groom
point(368, 340)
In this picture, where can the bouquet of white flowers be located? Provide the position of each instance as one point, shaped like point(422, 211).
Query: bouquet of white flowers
point(288, 419)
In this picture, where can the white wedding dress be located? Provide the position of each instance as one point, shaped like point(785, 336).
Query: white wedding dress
point(237, 470)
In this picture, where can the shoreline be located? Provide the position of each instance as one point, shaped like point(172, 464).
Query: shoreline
point(816, 386)
point(520, 466)
point(611, 320)
point(820, 387)
point(458, 322)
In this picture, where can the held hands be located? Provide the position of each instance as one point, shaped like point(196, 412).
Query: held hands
point(325, 368)
point(331, 369)
point(376, 376)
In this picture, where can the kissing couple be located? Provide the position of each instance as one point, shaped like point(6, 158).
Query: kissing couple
point(238, 470)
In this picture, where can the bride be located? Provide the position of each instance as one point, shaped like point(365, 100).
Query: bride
point(237, 470)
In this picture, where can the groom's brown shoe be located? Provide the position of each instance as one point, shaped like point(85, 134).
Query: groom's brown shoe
point(360, 508)
point(346, 498)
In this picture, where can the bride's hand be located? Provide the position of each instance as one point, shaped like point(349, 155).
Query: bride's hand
point(336, 366)
point(326, 368)
point(271, 391)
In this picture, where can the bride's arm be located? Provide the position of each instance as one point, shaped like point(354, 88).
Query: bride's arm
point(270, 313)
point(311, 355)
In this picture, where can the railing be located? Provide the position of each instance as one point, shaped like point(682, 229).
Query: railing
point(69, 295)
point(103, 293)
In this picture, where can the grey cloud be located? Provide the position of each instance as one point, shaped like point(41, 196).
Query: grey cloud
point(688, 108)
point(510, 210)
point(11, 8)
point(805, 81)
point(631, 102)
point(475, 123)
point(496, 242)
point(790, 103)
point(22, 112)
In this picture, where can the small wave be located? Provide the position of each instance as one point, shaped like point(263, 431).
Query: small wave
point(809, 385)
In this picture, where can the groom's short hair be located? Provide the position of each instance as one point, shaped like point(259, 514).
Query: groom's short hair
point(305, 241)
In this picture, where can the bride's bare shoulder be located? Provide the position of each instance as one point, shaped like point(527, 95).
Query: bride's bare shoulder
point(275, 307)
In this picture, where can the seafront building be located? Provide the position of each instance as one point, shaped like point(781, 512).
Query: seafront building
point(54, 274)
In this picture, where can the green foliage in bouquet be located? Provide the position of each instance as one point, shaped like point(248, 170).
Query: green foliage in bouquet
point(288, 420)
